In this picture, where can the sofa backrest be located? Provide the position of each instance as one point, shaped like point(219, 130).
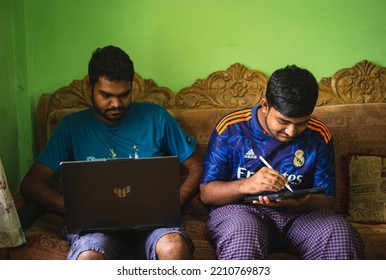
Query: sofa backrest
point(352, 103)
point(356, 129)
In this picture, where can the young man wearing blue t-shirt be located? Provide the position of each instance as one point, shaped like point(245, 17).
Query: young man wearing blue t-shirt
point(116, 127)
point(300, 152)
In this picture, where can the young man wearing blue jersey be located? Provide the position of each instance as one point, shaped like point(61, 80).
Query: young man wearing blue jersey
point(300, 151)
point(116, 127)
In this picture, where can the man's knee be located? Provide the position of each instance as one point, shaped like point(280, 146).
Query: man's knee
point(91, 255)
point(172, 246)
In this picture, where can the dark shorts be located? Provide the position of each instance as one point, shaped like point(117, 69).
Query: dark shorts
point(120, 245)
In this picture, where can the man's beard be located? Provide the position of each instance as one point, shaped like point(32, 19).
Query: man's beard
point(112, 114)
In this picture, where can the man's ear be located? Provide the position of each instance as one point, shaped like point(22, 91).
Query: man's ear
point(264, 106)
point(88, 85)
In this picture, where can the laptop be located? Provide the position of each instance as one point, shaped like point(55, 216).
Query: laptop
point(121, 194)
point(284, 194)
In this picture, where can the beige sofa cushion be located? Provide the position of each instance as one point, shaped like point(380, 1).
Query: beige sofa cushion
point(374, 239)
point(44, 241)
point(56, 116)
point(367, 189)
point(355, 129)
point(199, 123)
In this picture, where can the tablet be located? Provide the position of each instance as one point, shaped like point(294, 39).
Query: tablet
point(284, 194)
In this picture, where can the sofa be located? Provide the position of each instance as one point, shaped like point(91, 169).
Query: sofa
point(352, 102)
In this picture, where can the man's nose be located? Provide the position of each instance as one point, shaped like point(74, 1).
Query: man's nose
point(115, 101)
point(291, 130)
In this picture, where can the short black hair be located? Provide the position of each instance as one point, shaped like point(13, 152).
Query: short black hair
point(292, 91)
point(112, 63)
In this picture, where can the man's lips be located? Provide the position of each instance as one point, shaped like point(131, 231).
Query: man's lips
point(115, 111)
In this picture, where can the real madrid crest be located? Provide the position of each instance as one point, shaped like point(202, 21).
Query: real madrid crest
point(299, 159)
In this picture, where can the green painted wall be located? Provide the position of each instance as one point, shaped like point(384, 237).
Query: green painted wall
point(176, 41)
point(16, 131)
point(8, 137)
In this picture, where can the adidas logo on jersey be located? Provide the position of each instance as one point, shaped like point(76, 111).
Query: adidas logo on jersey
point(250, 154)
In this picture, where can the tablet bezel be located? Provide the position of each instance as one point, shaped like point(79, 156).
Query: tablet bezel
point(284, 194)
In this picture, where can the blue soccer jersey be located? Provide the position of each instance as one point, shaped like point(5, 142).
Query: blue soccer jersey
point(148, 130)
point(238, 140)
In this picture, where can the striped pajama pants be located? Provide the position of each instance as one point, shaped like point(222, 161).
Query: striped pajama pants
point(244, 232)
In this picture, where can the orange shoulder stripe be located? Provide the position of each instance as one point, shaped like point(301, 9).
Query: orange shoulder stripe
point(321, 128)
point(232, 118)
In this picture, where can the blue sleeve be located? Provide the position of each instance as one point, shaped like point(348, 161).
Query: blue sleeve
point(175, 140)
point(57, 148)
point(216, 163)
point(324, 176)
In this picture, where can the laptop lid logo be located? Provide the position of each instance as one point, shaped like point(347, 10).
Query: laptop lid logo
point(122, 192)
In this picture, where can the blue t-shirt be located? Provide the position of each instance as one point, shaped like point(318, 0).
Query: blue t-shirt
point(148, 130)
point(238, 140)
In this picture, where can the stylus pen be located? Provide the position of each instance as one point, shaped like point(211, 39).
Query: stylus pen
point(269, 166)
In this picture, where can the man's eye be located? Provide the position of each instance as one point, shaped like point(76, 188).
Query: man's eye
point(126, 94)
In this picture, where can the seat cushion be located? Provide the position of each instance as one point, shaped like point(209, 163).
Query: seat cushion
point(374, 237)
point(196, 227)
point(44, 241)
